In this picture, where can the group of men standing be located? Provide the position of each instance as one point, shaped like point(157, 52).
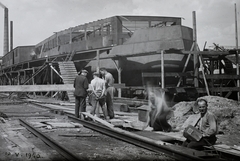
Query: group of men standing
point(100, 91)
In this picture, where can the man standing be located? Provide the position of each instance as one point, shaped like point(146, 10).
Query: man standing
point(97, 87)
point(207, 125)
point(110, 90)
point(80, 93)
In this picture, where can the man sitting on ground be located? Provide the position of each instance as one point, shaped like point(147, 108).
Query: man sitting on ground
point(207, 125)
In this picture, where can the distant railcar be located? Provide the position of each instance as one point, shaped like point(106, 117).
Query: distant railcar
point(18, 55)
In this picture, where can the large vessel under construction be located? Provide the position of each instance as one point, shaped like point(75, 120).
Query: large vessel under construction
point(130, 43)
point(137, 50)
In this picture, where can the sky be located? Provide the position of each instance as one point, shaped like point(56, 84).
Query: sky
point(36, 20)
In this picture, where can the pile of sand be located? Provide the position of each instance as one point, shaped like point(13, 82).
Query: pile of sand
point(226, 110)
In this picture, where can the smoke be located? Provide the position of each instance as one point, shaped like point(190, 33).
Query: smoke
point(159, 110)
point(156, 98)
point(2, 5)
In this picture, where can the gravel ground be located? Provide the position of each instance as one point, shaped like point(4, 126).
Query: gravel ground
point(17, 139)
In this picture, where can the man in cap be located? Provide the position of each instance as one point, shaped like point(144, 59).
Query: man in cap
point(110, 90)
point(80, 93)
point(97, 87)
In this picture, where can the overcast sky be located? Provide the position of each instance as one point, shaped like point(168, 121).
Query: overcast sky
point(35, 20)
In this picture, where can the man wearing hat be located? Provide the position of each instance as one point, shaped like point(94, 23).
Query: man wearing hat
point(97, 87)
point(80, 93)
point(110, 90)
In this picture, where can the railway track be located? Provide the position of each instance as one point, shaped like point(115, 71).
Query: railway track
point(173, 151)
point(49, 141)
point(83, 143)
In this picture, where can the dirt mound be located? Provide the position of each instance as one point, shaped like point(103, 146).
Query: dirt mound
point(226, 111)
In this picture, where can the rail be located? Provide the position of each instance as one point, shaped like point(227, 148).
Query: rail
point(176, 152)
point(49, 141)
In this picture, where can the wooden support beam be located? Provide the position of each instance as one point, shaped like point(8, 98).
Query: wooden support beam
point(219, 89)
point(221, 76)
point(208, 53)
point(203, 74)
point(43, 88)
point(172, 74)
point(119, 85)
point(237, 56)
point(185, 66)
point(36, 88)
point(162, 69)
point(119, 70)
point(195, 55)
point(98, 61)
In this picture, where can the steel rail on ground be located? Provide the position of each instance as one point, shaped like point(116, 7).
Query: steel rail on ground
point(49, 141)
point(174, 152)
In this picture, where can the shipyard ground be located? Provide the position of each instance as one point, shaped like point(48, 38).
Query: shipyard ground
point(17, 143)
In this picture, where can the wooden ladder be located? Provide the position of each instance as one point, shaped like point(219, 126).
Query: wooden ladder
point(68, 72)
point(70, 56)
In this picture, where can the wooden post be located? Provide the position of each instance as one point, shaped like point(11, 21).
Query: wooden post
point(119, 82)
point(70, 36)
point(33, 82)
point(24, 75)
point(98, 61)
point(195, 55)
point(185, 65)
point(119, 70)
point(57, 39)
point(33, 70)
point(18, 78)
point(51, 78)
point(237, 63)
point(162, 69)
point(85, 36)
point(204, 77)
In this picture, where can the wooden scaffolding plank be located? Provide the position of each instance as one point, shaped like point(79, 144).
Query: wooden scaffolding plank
point(37, 88)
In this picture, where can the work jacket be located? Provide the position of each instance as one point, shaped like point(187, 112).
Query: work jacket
point(81, 86)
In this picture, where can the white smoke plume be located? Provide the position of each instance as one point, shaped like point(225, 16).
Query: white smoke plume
point(160, 112)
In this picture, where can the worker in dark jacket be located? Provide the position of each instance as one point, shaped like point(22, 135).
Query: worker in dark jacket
point(80, 93)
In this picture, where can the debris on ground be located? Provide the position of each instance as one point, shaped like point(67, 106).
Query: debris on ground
point(226, 110)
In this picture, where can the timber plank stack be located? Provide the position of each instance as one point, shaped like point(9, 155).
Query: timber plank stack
point(68, 72)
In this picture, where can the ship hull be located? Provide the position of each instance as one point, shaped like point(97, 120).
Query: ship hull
point(142, 53)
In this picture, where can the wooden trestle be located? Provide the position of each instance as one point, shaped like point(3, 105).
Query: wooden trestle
point(217, 68)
